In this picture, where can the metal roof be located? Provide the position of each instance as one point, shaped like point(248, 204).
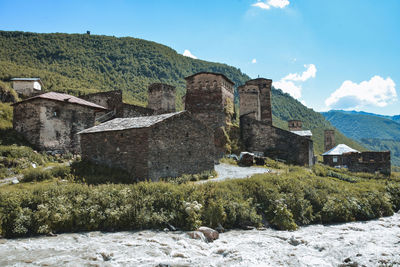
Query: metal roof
point(63, 98)
point(339, 150)
point(119, 124)
point(25, 79)
point(303, 132)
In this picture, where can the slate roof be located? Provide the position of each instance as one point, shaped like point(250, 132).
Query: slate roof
point(63, 98)
point(303, 132)
point(119, 124)
point(339, 150)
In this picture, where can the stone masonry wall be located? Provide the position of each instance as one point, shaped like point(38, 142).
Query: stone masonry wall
point(250, 101)
point(53, 125)
point(180, 145)
point(161, 98)
point(369, 161)
point(26, 120)
point(275, 142)
point(130, 111)
point(126, 149)
point(111, 100)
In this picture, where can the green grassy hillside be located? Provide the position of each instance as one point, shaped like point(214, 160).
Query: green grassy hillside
point(80, 63)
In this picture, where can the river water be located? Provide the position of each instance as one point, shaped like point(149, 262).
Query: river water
point(373, 243)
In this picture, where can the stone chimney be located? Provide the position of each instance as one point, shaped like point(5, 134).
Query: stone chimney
point(295, 125)
point(329, 139)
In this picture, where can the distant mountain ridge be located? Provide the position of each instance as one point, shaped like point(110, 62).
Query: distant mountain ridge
point(375, 132)
point(82, 63)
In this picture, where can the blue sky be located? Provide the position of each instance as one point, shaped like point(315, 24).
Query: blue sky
point(337, 54)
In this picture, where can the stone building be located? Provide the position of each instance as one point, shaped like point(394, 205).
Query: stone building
point(52, 120)
point(161, 98)
point(259, 135)
point(112, 100)
point(209, 98)
point(27, 86)
point(334, 156)
point(369, 161)
point(152, 147)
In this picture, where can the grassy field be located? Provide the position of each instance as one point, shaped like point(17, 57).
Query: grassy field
point(63, 202)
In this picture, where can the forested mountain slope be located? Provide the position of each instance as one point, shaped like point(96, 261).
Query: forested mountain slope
point(81, 63)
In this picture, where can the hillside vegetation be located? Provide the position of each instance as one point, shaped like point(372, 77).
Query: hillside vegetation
point(81, 63)
point(375, 132)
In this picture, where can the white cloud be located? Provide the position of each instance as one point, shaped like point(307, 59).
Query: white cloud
point(377, 92)
point(271, 3)
point(279, 3)
point(187, 53)
point(307, 74)
point(290, 83)
point(289, 87)
point(254, 61)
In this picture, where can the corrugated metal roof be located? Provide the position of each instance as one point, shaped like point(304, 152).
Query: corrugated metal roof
point(339, 150)
point(64, 98)
point(303, 132)
point(119, 124)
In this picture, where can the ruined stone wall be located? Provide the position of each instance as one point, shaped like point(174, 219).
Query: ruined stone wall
point(180, 145)
point(126, 149)
point(369, 161)
point(250, 101)
point(275, 142)
point(130, 111)
point(26, 120)
point(161, 98)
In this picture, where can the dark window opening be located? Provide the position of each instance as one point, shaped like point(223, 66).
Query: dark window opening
point(187, 134)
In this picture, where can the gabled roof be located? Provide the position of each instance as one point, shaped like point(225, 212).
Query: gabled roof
point(339, 150)
point(28, 80)
point(303, 132)
point(119, 124)
point(213, 73)
point(63, 98)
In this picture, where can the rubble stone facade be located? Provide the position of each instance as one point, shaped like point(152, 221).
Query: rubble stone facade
point(295, 125)
point(209, 98)
point(329, 139)
point(259, 135)
point(167, 145)
point(161, 98)
point(369, 161)
point(53, 125)
point(276, 143)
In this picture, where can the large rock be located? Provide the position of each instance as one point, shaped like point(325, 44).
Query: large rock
point(246, 159)
point(209, 233)
point(197, 235)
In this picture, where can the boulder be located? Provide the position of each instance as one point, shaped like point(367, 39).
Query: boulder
point(197, 235)
point(260, 161)
point(246, 159)
point(209, 233)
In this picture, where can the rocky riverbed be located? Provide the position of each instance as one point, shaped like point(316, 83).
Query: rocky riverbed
point(373, 243)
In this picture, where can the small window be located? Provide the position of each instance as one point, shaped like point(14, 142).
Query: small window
point(121, 134)
point(187, 134)
point(335, 159)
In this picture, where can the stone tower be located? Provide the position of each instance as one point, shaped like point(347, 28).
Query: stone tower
point(295, 125)
point(161, 98)
point(329, 139)
point(209, 97)
point(250, 101)
point(263, 104)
